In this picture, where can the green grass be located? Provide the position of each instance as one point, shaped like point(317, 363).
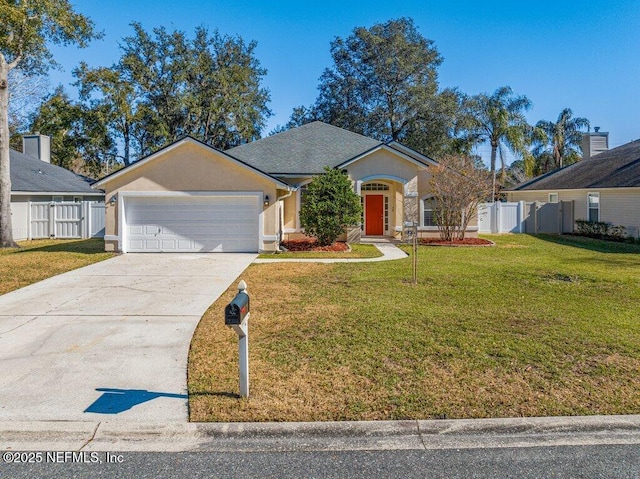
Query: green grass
point(535, 326)
point(40, 259)
point(357, 251)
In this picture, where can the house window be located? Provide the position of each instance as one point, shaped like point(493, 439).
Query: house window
point(553, 197)
point(593, 206)
point(374, 187)
point(57, 199)
point(303, 192)
point(77, 199)
point(386, 213)
point(429, 212)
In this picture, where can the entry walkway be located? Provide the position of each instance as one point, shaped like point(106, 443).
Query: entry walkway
point(389, 252)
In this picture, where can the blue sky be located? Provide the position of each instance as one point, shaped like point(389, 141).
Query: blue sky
point(576, 54)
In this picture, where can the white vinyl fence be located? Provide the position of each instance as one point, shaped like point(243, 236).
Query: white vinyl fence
point(522, 217)
point(501, 217)
point(65, 220)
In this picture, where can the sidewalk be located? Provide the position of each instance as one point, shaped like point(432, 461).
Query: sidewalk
point(389, 252)
point(327, 436)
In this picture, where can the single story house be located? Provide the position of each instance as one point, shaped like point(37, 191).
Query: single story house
point(48, 201)
point(604, 187)
point(189, 196)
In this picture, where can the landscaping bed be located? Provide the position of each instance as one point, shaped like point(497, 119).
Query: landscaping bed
point(312, 245)
point(456, 242)
point(536, 326)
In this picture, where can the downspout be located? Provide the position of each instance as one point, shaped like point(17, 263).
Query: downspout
point(281, 215)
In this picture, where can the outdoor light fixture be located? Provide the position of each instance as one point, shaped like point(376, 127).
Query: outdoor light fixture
point(113, 199)
point(266, 200)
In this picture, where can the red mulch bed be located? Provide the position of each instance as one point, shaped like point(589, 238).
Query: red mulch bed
point(312, 245)
point(464, 242)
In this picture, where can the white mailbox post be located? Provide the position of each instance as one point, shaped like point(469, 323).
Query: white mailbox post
point(236, 316)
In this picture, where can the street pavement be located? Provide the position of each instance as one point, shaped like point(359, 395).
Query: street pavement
point(562, 462)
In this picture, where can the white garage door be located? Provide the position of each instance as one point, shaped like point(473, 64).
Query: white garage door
point(192, 223)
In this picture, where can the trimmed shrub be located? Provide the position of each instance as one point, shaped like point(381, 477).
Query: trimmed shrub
point(601, 230)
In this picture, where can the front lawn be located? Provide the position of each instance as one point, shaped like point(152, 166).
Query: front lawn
point(40, 259)
point(535, 326)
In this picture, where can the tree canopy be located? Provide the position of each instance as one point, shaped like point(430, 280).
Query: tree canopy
point(500, 120)
point(557, 144)
point(384, 84)
point(26, 28)
point(166, 86)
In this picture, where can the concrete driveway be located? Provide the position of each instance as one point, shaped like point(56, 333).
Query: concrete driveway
point(108, 341)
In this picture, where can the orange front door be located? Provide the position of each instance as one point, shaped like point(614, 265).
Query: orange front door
point(374, 220)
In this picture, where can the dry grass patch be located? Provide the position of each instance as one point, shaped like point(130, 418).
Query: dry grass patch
point(485, 333)
point(40, 259)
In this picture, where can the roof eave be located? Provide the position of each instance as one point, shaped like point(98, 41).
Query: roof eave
point(83, 193)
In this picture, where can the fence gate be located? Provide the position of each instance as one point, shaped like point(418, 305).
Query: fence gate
point(56, 220)
point(40, 225)
point(96, 216)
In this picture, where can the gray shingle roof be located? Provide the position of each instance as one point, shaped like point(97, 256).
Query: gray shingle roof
point(304, 150)
point(615, 168)
point(29, 174)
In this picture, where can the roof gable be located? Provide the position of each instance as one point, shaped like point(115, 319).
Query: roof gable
point(405, 153)
point(615, 168)
point(176, 144)
point(31, 175)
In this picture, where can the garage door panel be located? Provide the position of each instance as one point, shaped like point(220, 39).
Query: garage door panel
point(198, 224)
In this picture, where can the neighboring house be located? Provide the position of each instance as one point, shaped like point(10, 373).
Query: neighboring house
point(189, 196)
point(48, 201)
point(604, 187)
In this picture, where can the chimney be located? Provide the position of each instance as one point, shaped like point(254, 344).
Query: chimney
point(38, 146)
point(594, 142)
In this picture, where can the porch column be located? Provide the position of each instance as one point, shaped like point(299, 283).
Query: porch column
point(411, 204)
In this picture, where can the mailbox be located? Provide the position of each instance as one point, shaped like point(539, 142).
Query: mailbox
point(236, 311)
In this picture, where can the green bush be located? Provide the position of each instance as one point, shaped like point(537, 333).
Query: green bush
point(601, 230)
point(330, 205)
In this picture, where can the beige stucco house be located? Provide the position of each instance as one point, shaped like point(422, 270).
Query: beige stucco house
point(604, 187)
point(189, 196)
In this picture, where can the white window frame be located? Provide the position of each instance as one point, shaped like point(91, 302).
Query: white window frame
point(557, 198)
point(422, 210)
point(593, 194)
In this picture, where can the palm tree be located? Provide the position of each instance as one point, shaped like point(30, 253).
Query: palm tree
point(500, 120)
point(559, 141)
